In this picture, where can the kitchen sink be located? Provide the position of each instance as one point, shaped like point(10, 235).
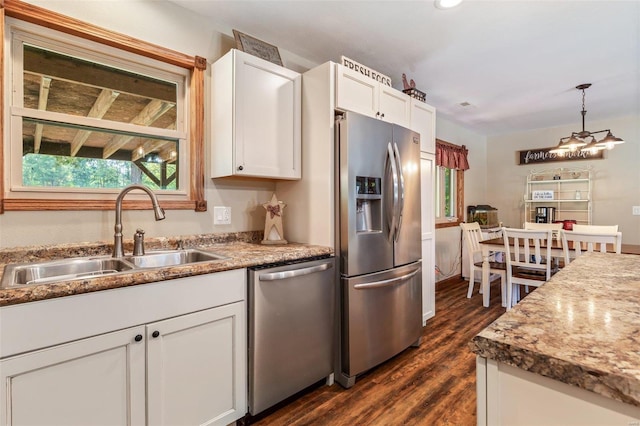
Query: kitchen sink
point(160, 258)
point(61, 270)
point(16, 275)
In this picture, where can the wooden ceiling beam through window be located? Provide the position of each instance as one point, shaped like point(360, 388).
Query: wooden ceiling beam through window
point(98, 110)
point(163, 181)
point(150, 175)
point(45, 85)
point(151, 145)
point(48, 147)
point(154, 110)
point(147, 146)
point(38, 61)
point(168, 155)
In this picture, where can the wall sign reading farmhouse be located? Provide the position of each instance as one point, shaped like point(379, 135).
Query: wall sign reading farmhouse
point(542, 155)
point(366, 71)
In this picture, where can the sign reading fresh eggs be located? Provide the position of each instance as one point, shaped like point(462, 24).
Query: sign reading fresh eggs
point(366, 71)
point(542, 155)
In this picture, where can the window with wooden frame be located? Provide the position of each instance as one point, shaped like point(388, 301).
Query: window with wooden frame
point(91, 111)
point(449, 193)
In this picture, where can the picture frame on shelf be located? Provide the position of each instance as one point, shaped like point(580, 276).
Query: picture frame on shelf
point(541, 195)
point(255, 47)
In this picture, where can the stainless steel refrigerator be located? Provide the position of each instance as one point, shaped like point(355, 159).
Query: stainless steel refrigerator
point(378, 241)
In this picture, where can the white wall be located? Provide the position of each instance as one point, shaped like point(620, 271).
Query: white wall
point(448, 240)
point(616, 178)
point(170, 26)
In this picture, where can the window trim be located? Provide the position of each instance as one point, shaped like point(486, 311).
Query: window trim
point(459, 196)
point(197, 65)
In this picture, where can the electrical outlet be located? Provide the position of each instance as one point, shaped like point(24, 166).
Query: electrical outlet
point(635, 210)
point(221, 215)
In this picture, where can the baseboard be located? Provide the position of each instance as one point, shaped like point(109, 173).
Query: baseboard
point(451, 280)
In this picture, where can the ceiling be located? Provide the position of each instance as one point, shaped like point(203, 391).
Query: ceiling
point(516, 63)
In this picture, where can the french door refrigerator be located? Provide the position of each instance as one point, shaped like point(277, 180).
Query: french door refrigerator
point(378, 241)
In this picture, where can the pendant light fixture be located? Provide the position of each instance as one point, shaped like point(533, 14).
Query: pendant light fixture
point(578, 140)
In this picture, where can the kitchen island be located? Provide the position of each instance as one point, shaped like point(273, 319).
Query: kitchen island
point(569, 353)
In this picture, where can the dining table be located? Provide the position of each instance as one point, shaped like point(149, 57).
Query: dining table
point(496, 245)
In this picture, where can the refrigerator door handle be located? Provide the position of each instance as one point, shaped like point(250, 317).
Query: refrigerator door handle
point(401, 197)
point(385, 283)
point(274, 276)
point(394, 174)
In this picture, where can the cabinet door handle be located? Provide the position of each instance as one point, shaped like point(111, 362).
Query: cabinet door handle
point(382, 115)
point(378, 114)
point(240, 168)
point(138, 337)
point(155, 334)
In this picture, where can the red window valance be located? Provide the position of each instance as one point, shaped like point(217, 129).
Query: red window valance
point(451, 156)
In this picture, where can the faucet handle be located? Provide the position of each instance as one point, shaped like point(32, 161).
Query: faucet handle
point(138, 243)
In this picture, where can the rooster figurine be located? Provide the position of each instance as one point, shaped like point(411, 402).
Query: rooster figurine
point(404, 82)
point(408, 84)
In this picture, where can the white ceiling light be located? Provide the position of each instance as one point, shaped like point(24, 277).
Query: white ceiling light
point(446, 4)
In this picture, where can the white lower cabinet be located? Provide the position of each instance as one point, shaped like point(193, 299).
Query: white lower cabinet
point(94, 381)
point(171, 369)
point(510, 396)
point(192, 368)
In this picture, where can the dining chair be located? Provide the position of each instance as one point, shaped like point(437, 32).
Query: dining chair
point(596, 229)
point(473, 236)
point(527, 252)
point(555, 227)
point(587, 242)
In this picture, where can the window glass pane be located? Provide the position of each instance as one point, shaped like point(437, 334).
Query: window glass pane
point(52, 157)
point(438, 187)
point(60, 83)
point(447, 193)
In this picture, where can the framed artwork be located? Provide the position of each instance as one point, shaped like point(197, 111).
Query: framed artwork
point(256, 47)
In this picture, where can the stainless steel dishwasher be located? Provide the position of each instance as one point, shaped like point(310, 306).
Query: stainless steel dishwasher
point(291, 329)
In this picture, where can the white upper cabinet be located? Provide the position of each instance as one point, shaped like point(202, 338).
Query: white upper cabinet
point(423, 121)
point(256, 124)
point(361, 94)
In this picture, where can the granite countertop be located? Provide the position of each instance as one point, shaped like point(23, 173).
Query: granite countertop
point(241, 249)
point(580, 328)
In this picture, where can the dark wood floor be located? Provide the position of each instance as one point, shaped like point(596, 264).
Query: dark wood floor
point(430, 385)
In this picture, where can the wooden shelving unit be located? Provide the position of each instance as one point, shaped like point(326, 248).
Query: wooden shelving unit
point(568, 190)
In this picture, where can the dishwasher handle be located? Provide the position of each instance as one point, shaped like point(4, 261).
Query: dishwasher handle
point(274, 276)
point(385, 283)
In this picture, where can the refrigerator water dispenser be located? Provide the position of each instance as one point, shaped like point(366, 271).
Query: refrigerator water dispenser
point(368, 204)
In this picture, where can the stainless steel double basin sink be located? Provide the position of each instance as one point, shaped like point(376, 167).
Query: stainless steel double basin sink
point(16, 275)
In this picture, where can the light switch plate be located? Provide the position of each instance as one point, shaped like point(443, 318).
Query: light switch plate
point(221, 215)
point(635, 210)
